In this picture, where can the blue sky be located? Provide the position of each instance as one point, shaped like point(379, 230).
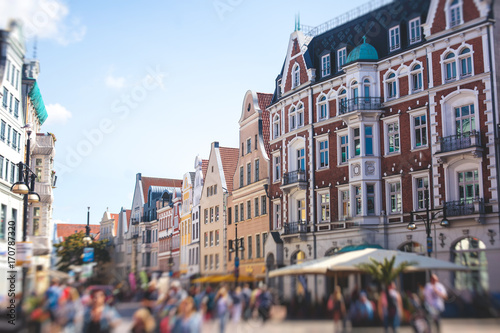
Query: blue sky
point(145, 86)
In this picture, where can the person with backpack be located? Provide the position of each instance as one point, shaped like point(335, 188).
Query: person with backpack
point(390, 308)
point(336, 305)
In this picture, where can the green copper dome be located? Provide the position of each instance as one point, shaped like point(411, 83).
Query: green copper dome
point(362, 52)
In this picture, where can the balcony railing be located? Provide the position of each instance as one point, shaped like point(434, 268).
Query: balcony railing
point(460, 141)
point(295, 228)
point(464, 207)
point(294, 177)
point(360, 103)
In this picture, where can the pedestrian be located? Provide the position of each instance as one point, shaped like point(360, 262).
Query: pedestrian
point(99, 317)
point(144, 321)
point(434, 296)
point(265, 300)
point(52, 298)
point(69, 312)
point(336, 305)
point(224, 304)
point(238, 302)
point(188, 319)
point(390, 308)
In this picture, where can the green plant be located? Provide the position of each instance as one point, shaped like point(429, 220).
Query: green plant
point(384, 271)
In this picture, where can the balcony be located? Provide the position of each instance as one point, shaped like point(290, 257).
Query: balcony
point(360, 104)
point(464, 207)
point(293, 179)
point(338, 225)
point(468, 142)
point(295, 228)
point(44, 191)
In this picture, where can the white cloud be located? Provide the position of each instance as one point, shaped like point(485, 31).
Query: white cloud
point(57, 114)
point(116, 82)
point(46, 19)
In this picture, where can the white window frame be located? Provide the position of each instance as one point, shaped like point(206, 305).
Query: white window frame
point(277, 161)
point(387, 122)
point(341, 134)
point(396, 43)
point(394, 82)
point(341, 97)
point(341, 58)
point(292, 118)
point(276, 126)
point(416, 73)
point(300, 115)
point(451, 178)
point(462, 57)
point(277, 217)
point(324, 205)
point(319, 141)
point(413, 130)
point(325, 65)
point(343, 216)
point(355, 197)
point(415, 30)
point(457, 8)
point(295, 76)
point(323, 108)
point(415, 177)
point(389, 182)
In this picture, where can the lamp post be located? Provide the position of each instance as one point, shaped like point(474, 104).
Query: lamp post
point(26, 189)
point(234, 247)
point(170, 259)
point(87, 240)
point(430, 214)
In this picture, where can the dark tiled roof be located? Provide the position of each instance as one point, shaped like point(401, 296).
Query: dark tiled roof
point(64, 230)
point(264, 101)
point(150, 181)
point(229, 158)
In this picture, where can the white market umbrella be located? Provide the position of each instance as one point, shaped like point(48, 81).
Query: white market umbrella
point(348, 263)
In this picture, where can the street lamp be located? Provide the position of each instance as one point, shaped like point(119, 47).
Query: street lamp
point(234, 247)
point(87, 240)
point(430, 214)
point(171, 258)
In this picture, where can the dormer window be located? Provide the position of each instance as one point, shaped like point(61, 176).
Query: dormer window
point(455, 13)
point(394, 39)
point(415, 31)
point(325, 65)
point(296, 76)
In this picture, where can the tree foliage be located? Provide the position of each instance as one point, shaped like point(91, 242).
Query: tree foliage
point(384, 271)
point(70, 251)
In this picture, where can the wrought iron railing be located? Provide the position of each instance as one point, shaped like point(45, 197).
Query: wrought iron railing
point(360, 103)
point(294, 177)
point(460, 141)
point(464, 207)
point(295, 227)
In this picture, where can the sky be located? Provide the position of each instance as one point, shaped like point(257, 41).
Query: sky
point(146, 86)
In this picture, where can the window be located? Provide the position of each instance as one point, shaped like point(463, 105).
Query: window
point(357, 142)
point(277, 168)
point(241, 176)
point(393, 138)
point(208, 191)
point(249, 146)
point(14, 139)
point(257, 246)
point(415, 31)
point(368, 140)
point(422, 186)
point(342, 101)
point(324, 201)
point(292, 119)
point(216, 237)
point(257, 171)
point(256, 207)
point(391, 86)
point(249, 209)
point(2, 130)
point(263, 204)
point(211, 214)
point(12, 172)
point(323, 108)
point(277, 216)
point(358, 200)
point(366, 90)
point(301, 210)
point(455, 15)
point(255, 140)
point(13, 73)
point(370, 199)
point(301, 159)
point(249, 246)
point(344, 149)
point(8, 70)
point(5, 97)
point(3, 221)
point(10, 103)
point(206, 239)
point(211, 261)
point(242, 150)
point(325, 65)
point(345, 205)
point(276, 126)
point(354, 92)
point(465, 61)
point(216, 213)
point(323, 154)
point(206, 216)
point(341, 57)
point(296, 76)
point(236, 216)
point(420, 131)
point(206, 262)
point(394, 39)
point(395, 197)
point(1, 166)
point(16, 108)
point(465, 120)
point(471, 252)
point(468, 186)
point(249, 173)
point(215, 189)
point(211, 238)
point(17, 79)
point(450, 67)
point(416, 78)
point(242, 213)
point(217, 261)
point(300, 115)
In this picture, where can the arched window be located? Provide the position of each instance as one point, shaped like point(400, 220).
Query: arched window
point(366, 89)
point(292, 119)
point(296, 76)
point(455, 13)
point(450, 67)
point(470, 252)
point(391, 86)
point(276, 126)
point(354, 92)
point(465, 61)
point(323, 108)
point(300, 115)
point(342, 100)
point(416, 78)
